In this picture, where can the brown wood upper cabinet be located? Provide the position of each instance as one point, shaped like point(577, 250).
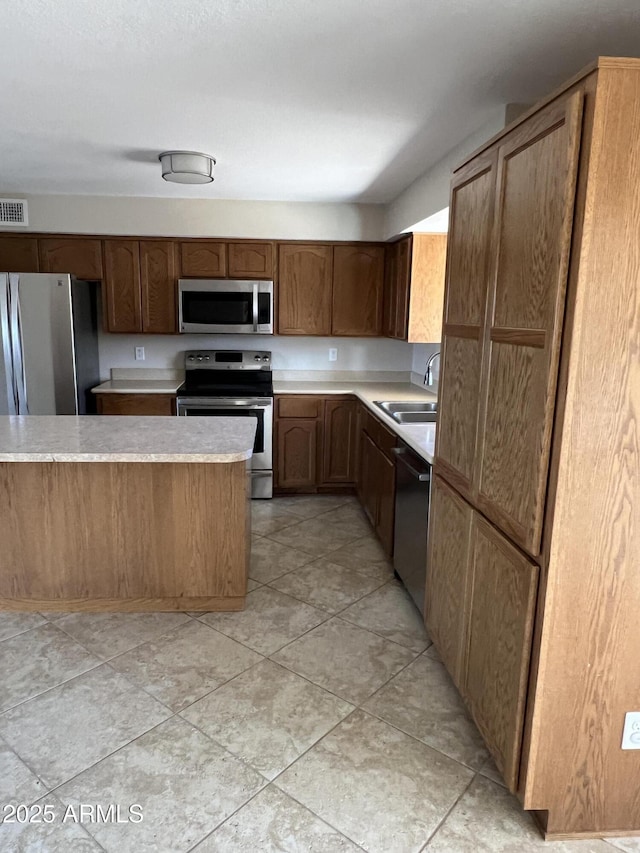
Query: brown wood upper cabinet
point(203, 259)
point(139, 286)
point(251, 260)
point(414, 288)
point(304, 289)
point(358, 282)
point(79, 256)
point(18, 254)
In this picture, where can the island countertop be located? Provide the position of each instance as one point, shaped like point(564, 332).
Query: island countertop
point(62, 438)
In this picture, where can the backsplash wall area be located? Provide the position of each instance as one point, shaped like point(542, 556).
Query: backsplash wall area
point(289, 353)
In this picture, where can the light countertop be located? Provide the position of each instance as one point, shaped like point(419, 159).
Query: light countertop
point(419, 437)
point(67, 438)
point(138, 386)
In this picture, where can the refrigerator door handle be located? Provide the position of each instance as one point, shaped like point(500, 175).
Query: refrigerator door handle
point(17, 344)
point(7, 354)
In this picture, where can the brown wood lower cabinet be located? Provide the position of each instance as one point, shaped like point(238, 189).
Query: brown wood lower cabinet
point(315, 443)
point(503, 587)
point(297, 453)
point(480, 602)
point(376, 480)
point(136, 404)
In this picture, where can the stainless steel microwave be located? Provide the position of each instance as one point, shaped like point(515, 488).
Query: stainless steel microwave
point(219, 306)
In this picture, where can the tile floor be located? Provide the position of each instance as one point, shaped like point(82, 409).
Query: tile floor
point(319, 719)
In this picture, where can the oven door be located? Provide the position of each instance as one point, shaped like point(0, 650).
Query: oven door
point(260, 408)
point(219, 307)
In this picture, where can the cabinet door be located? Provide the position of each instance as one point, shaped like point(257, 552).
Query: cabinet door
point(501, 613)
point(19, 254)
point(136, 404)
point(80, 257)
point(469, 269)
point(121, 286)
point(389, 301)
point(403, 283)
point(304, 289)
point(358, 280)
point(250, 260)
point(538, 164)
point(338, 441)
point(386, 500)
point(203, 259)
point(368, 477)
point(158, 286)
point(426, 295)
point(447, 576)
point(297, 453)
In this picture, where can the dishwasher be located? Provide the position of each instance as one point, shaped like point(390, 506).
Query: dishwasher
point(413, 494)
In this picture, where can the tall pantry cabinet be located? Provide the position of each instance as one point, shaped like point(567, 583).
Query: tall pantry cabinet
point(533, 578)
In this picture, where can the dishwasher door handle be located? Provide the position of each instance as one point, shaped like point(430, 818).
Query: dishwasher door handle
point(401, 455)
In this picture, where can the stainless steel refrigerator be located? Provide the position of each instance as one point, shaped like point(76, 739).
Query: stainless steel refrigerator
point(48, 344)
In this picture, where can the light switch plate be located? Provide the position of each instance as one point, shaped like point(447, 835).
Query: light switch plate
point(333, 354)
point(139, 353)
point(631, 731)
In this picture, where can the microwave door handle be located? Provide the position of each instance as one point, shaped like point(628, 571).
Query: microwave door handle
point(255, 307)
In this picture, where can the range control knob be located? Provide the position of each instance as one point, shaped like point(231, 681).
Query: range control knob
point(190, 358)
point(199, 357)
point(207, 358)
point(256, 358)
point(265, 358)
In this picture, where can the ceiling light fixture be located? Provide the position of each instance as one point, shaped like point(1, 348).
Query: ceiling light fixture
point(187, 167)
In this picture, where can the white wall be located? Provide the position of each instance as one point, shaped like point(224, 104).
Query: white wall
point(78, 214)
point(289, 353)
point(429, 193)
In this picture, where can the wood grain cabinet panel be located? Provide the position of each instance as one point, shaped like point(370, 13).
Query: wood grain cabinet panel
point(203, 259)
point(338, 441)
point(250, 260)
point(304, 289)
point(291, 406)
point(158, 278)
point(368, 477)
point(501, 612)
point(469, 269)
point(537, 179)
point(447, 577)
point(297, 453)
point(19, 254)
point(386, 487)
point(358, 281)
point(79, 256)
point(121, 290)
point(136, 404)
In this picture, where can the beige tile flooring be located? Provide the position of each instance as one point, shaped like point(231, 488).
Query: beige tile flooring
point(319, 719)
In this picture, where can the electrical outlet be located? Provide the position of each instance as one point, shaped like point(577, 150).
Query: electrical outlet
point(631, 731)
point(139, 353)
point(333, 354)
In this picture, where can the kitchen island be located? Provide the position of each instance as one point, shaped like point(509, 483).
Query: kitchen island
point(124, 513)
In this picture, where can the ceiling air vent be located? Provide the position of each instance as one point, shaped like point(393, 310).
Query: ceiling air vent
point(13, 211)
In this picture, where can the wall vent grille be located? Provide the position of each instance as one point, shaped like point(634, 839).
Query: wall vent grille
point(13, 212)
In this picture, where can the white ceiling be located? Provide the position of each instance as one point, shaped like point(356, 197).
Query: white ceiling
point(309, 100)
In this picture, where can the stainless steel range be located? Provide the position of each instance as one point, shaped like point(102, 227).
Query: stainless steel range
point(234, 383)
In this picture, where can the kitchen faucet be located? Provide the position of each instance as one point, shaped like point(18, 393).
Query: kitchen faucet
point(428, 376)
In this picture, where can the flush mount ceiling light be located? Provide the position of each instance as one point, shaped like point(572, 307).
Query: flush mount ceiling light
point(187, 167)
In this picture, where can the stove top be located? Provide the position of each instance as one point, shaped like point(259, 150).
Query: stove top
point(227, 373)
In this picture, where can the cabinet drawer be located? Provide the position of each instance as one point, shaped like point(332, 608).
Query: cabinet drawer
point(299, 407)
point(136, 404)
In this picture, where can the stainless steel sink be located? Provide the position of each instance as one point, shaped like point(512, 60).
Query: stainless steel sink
point(409, 413)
